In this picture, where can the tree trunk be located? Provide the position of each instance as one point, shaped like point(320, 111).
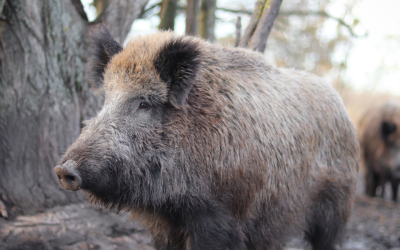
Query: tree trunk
point(207, 20)
point(167, 14)
point(44, 97)
point(192, 11)
point(99, 5)
point(261, 22)
point(253, 23)
point(119, 16)
point(259, 38)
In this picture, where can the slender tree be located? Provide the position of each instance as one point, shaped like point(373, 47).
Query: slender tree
point(261, 22)
point(44, 95)
point(167, 14)
point(192, 11)
point(207, 20)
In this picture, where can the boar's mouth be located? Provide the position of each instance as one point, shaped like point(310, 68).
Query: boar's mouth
point(68, 176)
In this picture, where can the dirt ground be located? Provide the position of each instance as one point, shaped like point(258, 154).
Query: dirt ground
point(374, 225)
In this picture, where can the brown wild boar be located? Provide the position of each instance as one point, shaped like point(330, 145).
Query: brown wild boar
point(212, 148)
point(380, 144)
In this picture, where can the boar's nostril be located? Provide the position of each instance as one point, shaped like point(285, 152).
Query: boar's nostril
point(68, 176)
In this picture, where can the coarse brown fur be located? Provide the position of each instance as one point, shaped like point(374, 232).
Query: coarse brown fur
point(380, 144)
point(236, 154)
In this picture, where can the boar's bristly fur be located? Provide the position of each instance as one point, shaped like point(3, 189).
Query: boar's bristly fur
point(212, 148)
point(380, 144)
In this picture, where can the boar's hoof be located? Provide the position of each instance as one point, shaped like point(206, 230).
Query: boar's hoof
point(68, 176)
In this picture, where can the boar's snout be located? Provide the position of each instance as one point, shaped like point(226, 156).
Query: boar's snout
point(68, 176)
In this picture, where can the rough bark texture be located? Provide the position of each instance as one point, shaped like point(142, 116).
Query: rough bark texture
point(119, 16)
point(261, 22)
point(238, 29)
point(44, 96)
point(259, 38)
point(192, 11)
point(207, 20)
point(167, 15)
point(253, 23)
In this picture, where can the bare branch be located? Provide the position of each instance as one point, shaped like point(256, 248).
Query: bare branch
point(323, 14)
point(253, 23)
point(145, 11)
point(236, 11)
point(259, 38)
point(238, 28)
point(303, 13)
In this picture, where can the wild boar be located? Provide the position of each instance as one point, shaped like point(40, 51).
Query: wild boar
point(380, 145)
point(212, 148)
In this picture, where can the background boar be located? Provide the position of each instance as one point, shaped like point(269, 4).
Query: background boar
point(212, 148)
point(380, 144)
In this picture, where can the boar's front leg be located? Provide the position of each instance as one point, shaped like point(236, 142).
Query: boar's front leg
point(195, 224)
point(212, 229)
point(395, 189)
point(372, 182)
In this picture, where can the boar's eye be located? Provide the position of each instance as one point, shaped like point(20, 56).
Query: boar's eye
point(144, 106)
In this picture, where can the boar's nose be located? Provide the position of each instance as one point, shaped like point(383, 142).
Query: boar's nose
point(68, 176)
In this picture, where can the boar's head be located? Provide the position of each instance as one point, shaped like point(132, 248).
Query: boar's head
point(120, 153)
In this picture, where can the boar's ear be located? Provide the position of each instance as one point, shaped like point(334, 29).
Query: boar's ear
point(387, 128)
point(177, 63)
point(102, 47)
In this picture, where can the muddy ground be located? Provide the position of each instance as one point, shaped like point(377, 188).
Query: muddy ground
point(374, 225)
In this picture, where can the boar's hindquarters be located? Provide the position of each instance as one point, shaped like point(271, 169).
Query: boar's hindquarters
point(68, 176)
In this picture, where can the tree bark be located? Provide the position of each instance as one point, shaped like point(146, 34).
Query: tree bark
point(259, 38)
point(261, 22)
point(119, 16)
point(44, 97)
point(238, 30)
point(167, 14)
point(253, 23)
point(207, 20)
point(192, 11)
point(99, 5)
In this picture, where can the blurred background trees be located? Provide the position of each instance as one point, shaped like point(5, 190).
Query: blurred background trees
point(305, 36)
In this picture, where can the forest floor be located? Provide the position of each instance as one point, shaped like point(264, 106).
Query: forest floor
point(374, 225)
